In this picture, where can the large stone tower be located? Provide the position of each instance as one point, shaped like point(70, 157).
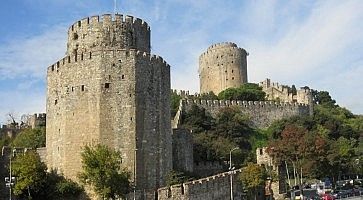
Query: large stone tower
point(222, 66)
point(109, 89)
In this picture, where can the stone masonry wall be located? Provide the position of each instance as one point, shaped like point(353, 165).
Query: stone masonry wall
point(261, 113)
point(108, 32)
point(215, 187)
point(222, 66)
point(182, 150)
point(114, 94)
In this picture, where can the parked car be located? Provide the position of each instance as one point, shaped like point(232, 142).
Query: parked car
point(327, 197)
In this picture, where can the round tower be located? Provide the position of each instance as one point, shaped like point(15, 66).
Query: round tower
point(222, 66)
point(102, 33)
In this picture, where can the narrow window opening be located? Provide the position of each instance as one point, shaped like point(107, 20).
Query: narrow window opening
point(131, 118)
point(109, 77)
point(123, 76)
point(72, 89)
point(75, 36)
point(79, 23)
point(232, 61)
point(130, 95)
point(113, 65)
point(90, 55)
point(261, 151)
point(120, 61)
point(232, 71)
point(55, 102)
point(107, 85)
point(82, 88)
point(232, 78)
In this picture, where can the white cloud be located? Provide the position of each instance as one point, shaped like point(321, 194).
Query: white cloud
point(31, 56)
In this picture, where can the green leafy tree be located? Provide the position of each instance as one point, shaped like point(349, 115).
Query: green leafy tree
point(246, 92)
point(253, 177)
point(177, 177)
point(30, 174)
point(198, 120)
point(102, 171)
point(57, 187)
point(174, 103)
point(30, 138)
point(208, 96)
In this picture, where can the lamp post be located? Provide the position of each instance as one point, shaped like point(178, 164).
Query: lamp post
point(230, 169)
point(10, 181)
point(134, 187)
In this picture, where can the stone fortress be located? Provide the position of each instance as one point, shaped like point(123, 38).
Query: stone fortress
point(109, 89)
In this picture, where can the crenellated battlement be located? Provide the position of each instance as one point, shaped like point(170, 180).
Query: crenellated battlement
point(245, 104)
point(214, 187)
point(82, 57)
point(108, 32)
point(260, 113)
point(222, 48)
point(105, 21)
point(284, 93)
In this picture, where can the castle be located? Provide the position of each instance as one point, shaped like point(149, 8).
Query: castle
point(109, 89)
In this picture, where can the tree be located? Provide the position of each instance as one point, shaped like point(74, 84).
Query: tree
point(174, 103)
point(246, 92)
point(252, 177)
point(208, 96)
point(30, 174)
point(177, 177)
point(30, 138)
point(102, 171)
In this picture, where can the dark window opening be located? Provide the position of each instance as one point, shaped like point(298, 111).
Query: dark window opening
point(90, 55)
point(232, 61)
point(82, 88)
point(232, 70)
point(109, 77)
point(107, 85)
point(113, 65)
point(79, 23)
point(123, 76)
point(55, 102)
point(261, 151)
point(75, 36)
point(130, 95)
point(232, 78)
point(72, 89)
point(131, 118)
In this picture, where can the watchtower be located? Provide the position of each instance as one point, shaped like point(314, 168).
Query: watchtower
point(108, 89)
point(222, 66)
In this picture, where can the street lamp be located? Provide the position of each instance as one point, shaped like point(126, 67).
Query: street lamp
point(231, 169)
point(10, 181)
point(134, 186)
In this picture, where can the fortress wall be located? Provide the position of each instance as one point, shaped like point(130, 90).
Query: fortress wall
point(182, 150)
point(222, 66)
point(261, 113)
point(37, 120)
point(73, 119)
point(215, 187)
point(208, 168)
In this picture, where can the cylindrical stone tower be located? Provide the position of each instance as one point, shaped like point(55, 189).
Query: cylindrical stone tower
point(222, 66)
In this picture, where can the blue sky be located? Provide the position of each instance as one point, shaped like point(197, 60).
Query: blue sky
point(307, 42)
